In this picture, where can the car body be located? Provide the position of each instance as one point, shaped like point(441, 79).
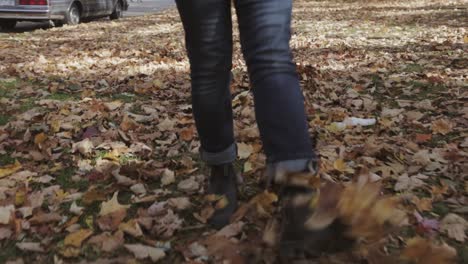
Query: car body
point(58, 11)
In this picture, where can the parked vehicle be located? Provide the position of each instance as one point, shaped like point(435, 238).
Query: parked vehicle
point(58, 11)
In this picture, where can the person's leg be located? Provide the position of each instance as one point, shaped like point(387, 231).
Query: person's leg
point(208, 37)
point(265, 34)
point(279, 104)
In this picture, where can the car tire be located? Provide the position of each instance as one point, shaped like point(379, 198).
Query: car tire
point(118, 13)
point(7, 24)
point(73, 16)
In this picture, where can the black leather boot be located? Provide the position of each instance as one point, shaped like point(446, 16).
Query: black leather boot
point(223, 183)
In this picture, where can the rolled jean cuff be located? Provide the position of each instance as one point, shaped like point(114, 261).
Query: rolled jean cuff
point(276, 172)
point(217, 158)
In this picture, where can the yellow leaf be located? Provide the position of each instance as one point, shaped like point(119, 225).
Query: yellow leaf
point(76, 239)
point(340, 165)
point(112, 206)
point(55, 125)
point(10, 169)
point(20, 196)
point(465, 39)
point(40, 138)
point(222, 203)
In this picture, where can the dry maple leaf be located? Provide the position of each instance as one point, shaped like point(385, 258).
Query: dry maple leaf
point(112, 206)
point(455, 226)
point(422, 251)
point(442, 126)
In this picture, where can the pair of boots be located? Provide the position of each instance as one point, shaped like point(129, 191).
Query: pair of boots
point(296, 209)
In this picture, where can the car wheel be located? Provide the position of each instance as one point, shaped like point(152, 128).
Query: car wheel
point(7, 24)
point(73, 16)
point(117, 11)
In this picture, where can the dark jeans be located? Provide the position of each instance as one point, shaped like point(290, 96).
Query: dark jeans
point(265, 33)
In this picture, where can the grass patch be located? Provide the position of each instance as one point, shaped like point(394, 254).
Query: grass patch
point(4, 120)
point(8, 251)
point(27, 105)
point(414, 67)
point(61, 97)
point(64, 179)
point(6, 159)
point(124, 97)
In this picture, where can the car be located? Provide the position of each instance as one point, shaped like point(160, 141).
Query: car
point(58, 12)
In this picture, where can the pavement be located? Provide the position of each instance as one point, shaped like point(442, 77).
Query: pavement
point(136, 8)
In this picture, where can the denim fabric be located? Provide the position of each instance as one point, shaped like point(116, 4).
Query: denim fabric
point(264, 27)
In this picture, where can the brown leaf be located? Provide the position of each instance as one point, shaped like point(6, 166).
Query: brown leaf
point(421, 251)
point(108, 242)
point(422, 138)
point(128, 124)
point(40, 138)
point(43, 218)
point(442, 126)
point(112, 220)
point(187, 134)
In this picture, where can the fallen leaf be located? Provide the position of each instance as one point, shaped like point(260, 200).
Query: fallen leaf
point(128, 124)
point(141, 252)
point(166, 125)
point(168, 177)
point(132, 228)
point(75, 209)
point(10, 169)
point(187, 134)
point(244, 150)
point(405, 182)
point(179, 203)
point(76, 239)
point(112, 220)
point(30, 246)
point(40, 138)
point(5, 233)
point(6, 213)
point(442, 126)
point(426, 225)
point(455, 226)
point(108, 242)
point(188, 185)
point(231, 230)
point(422, 251)
point(112, 206)
point(85, 146)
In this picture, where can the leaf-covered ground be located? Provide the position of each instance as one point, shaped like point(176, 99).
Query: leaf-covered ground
point(98, 151)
